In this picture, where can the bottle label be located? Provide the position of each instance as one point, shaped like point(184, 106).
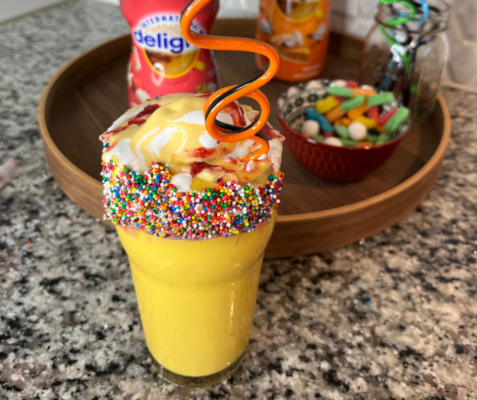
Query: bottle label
point(298, 30)
point(162, 62)
point(163, 46)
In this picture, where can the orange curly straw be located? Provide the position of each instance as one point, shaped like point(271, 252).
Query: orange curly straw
point(221, 98)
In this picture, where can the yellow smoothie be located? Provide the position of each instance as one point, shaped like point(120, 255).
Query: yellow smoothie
point(194, 219)
point(196, 297)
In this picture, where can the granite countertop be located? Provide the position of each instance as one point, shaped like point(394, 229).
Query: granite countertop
point(391, 317)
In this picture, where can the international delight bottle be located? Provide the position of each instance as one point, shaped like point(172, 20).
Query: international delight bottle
point(162, 62)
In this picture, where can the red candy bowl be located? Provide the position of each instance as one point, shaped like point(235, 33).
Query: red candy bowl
point(339, 164)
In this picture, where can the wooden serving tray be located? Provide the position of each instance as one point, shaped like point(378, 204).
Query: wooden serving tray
point(89, 93)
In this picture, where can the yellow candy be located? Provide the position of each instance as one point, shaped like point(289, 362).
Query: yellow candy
point(358, 111)
point(368, 122)
point(325, 105)
point(335, 114)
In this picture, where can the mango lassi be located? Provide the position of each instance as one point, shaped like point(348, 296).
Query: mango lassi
point(196, 309)
point(194, 220)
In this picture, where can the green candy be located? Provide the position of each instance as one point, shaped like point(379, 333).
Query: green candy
point(348, 142)
point(380, 99)
point(340, 91)
point(352, 103)
point(401, 115)
point(383, 138)
point(371, 138)
point(318, 138)
point(342, 131)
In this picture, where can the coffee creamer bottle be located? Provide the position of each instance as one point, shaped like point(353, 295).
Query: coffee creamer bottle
point(162, 62)
point(299, 31)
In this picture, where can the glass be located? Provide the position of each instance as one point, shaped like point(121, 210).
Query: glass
point(196, 299)
point(408, 58)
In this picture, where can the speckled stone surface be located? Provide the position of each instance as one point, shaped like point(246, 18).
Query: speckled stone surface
point(391, 318)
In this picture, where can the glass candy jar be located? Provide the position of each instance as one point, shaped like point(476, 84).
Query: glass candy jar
point(407, 58)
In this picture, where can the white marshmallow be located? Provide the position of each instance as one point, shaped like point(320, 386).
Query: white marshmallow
point(368, 87)
point(319, 33)
point(293, 41)
point(333, 141)
point(339, 83)
point(357, 131)
point(310, 128)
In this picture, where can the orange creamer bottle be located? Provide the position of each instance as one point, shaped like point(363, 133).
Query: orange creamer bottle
point(299, 31)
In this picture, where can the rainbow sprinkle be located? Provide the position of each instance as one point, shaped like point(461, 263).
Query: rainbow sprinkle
point(150, 202)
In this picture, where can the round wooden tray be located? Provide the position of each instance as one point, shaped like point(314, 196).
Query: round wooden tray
point(89, 93)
